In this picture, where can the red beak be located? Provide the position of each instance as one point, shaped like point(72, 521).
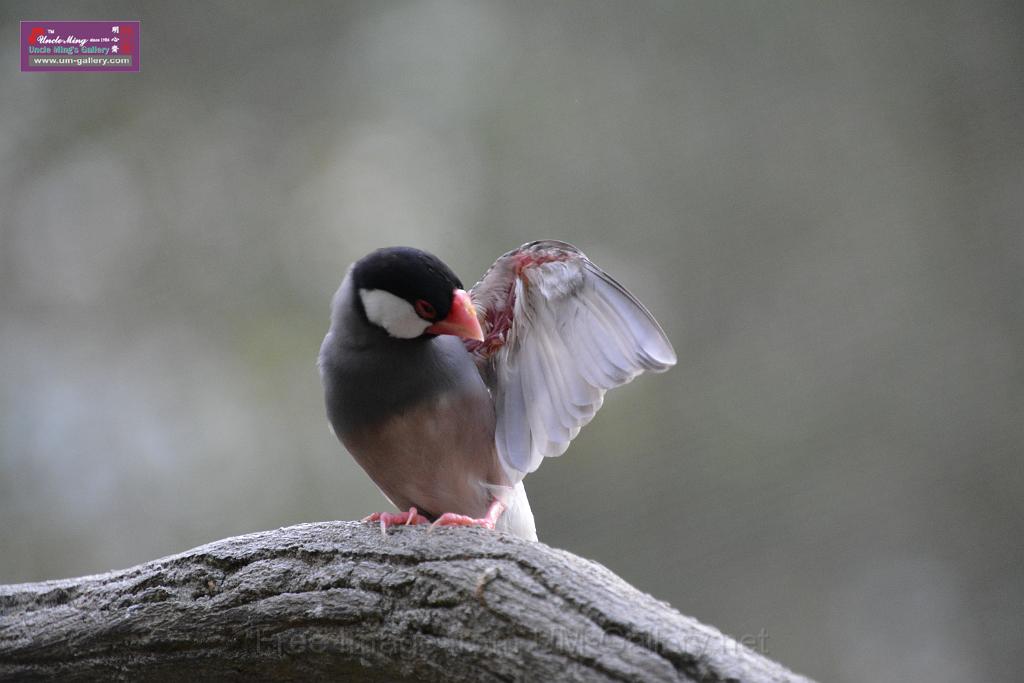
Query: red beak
point(461, 320)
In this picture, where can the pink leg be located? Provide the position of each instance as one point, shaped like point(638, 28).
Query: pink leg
point(488, 521)
point(387, 519)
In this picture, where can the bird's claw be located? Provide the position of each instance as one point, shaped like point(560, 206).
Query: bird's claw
point(455, 519)
point(387, 519)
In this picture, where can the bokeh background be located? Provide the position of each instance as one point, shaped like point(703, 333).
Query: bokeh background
point(822, 203)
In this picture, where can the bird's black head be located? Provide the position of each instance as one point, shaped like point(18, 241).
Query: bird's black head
point(411, 294)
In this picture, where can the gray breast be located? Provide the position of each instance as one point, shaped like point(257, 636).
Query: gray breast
point(364, 385)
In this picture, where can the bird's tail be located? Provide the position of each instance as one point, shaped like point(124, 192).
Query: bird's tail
point(518, 517)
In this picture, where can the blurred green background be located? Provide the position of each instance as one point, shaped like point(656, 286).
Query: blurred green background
point(822, 204)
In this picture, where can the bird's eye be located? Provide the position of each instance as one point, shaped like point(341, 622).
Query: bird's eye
point(425, 310)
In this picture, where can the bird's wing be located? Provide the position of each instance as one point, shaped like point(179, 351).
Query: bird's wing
point(558, 333)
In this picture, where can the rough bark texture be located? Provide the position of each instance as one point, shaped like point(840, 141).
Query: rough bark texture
point(337, 600)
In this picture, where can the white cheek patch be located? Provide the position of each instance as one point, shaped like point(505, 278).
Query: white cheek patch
point(394, 314)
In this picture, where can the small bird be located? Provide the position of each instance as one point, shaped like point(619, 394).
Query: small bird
point(448, 398)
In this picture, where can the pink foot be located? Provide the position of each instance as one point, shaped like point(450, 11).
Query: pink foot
point(387, 519)
point(488, 521)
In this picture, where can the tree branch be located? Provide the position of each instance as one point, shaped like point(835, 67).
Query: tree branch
point(337, 600)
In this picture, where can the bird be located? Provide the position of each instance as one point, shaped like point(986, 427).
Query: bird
point(448, 398)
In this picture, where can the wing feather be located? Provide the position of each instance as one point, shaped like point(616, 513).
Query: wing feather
point(573, 334)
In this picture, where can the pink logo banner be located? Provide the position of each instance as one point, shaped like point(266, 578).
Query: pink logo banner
point(80, 45)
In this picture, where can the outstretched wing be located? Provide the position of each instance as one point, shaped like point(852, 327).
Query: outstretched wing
point(558, 333)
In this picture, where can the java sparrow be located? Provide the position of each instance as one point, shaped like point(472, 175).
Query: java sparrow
point(448, 398)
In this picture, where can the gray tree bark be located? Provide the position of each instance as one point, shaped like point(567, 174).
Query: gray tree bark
point(337, 600)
